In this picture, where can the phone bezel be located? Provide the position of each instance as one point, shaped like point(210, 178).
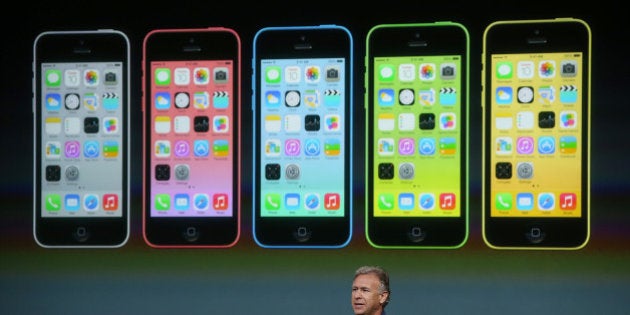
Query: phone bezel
point(326, 41)
point(422, 39)
point(215, 43)
point(81, 46)
point(505, 37)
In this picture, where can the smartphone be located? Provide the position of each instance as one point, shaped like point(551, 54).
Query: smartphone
point(81, 138)
point(302, 114)
point(192, 149)
point(416, 100)
point(536, 134)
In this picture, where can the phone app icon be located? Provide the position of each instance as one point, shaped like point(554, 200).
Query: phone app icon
point(182, 100)
point(503, 121)
point(386, 201)
point(292, 201)
point(547, 69)
point(426, 97)
point(72, 202)
point(72, 101)
point(272, 201)
point(525, 145)
point(220, 148)
point(311, 123)
point(386, 73)
point(406, 97)
point(110, 125)
point(201, 123)
point(201, 148)
point(53, 125)
point(546, 201)
point(406, 122)
point(311, 98)
point(385, 170)
point(568, 144)
point(201, 202)
point(181, 202)
point(447, 201)
point(524, 201)
point(504, 70)
point(220, 124)
point(503, 201)
point(332, 97)
point(272, 99)
point(292, 74)
point(272, 147)
point(448, 146)
point(525, 69)
point(53, 77)
point(503, 146)
point(91, 202)
point(220, 75)
point(525, 120)
point(72, 125)
point(292, 147)
point(547, 94)
point(427, 71)
point(273, 123)
point(332, 147)
point(406, 201)
point(312, 147)
point(332, 73)
point(162, 100)
point(386, 121)
point(72, 149)
point(406, 146)
point(332, 201)
point(332, 123)
point(53, 150)
point(201, 75)
point(110, 149)
point(181, 76)
point(568, 94)
point(447, 121)
point(162, 202)
point(162, 148)
point(292, 123)
point(272, 74)
point(220, 202)
point(162, 124)
point(53, 101)
point(546, 120)
point(292, 98)
point(91, 149)
point(504, 95)
point(182, 148)
point(426, 146)
point(181, 124)
point(385, 146)
point(427, 121)
point(53, 202)
point(201, 100)
point(568, 119)
point(568, 201)
point(568, 68)
point(406, 72)
point(220, 99)
point(426, 201)
point(90, 101)
point(448, 96)
point(91, 77)
point(312, 74)
point(110, 202)
point(386, 97)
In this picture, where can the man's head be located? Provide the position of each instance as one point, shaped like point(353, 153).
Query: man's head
point(370, 290)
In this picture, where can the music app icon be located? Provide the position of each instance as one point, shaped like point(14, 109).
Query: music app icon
point(567, 201)
point(110, 202)
point(447, 201)
point(220, 201)
point(331, 201)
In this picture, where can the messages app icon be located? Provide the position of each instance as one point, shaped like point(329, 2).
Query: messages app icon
point(386, 73)
point(504, 70)
point(272, 74)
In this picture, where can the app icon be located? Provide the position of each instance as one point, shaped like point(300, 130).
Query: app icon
point(525, 170)
point(546, 201)
point(182, 99)
point(110, 149)
point(406, 122)
point(525, 201)
point(162, 100)
point(90, 125)
point(72, 149)
point(182, 172)
point(110, 202)
point(426, 146)
point(332, 97)
point(220, 201)
point(53, 101)
point(406, 171)
point(406, 72)
point(332, 147)
point(311, 98)
point(162, 76)
point(568, 201)
point(448, 146)
point(426, 97)
point(568, 68)
point(385, 170)
point(546, 145)
point(272, 171)
point(90, 77)
point(312, 147)
point(311, 123)
point(292, 123)
point(504, 95)
point(568, 119)
point(525, 69)
point(525, 120)
point(181, 124)
point(53, 150)
point(162, 124)
point(201, 100)
point(201, 75)
point(448, 96)
point(386, 73)
point(426, 201)
point(110, 125)
point(90, 101)
point(72, 125)
point(182, 148)
point(503, 170)
point(273, 123)
point(525, 94)
point(332, 123)
point(427, 121)
point(53, 77)
point(525, 145)
point(220, 124)
point(201, 202)
point(312, 74)
point(406, 201)
point(72, 202)
point(386, 201)
point(447, 201)
point(568, 144)
point(220, 75)
point(547, 95)
point(292, 171)
point(503, 201)
point(332, 201)
point(448, 71)
point(568, 94)
point(111, 101)
point(181, 202)
point(386, 121)
point(547, 69)
point(333, 73)
point(503, 121)
point(427, 72)
point(292, 98)
point(201, 123)
point(91, 149)
point(53, 125)
point(503, 146)
point(72, 101)
point(53, 202)
point(162, 202)
point(90, 202)
point(292, 201)
point(546, 120)
point(181, 76)
point(220, 99)
point(406, 146)
point(201, 148)
point(272, 147)
point(292, 74)
point(162, 172)
point(220, 148)
point(111, 77)
point(406, 97)
point(53, 173)
point(504, 70)
point(447, 121)
point(272, 98)
point(162, 148)
point(272, 74)
point(292, 147)
point(272, 201)
point(385, 146)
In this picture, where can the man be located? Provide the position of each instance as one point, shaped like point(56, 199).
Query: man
point(370, 291)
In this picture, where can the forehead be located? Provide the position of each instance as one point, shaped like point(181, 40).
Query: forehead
point(368, 280)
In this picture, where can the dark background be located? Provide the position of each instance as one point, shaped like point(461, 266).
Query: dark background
point(248, 279)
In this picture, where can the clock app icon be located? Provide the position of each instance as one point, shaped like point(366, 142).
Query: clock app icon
point(525, 94)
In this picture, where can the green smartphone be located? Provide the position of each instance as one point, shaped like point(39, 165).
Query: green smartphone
point(536, 134)
point(416, 102)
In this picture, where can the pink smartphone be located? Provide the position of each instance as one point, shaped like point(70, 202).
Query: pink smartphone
point(191, 125)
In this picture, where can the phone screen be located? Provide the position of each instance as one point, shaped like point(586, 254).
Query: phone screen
point(303, 143)
point(192, 147)
point(536, 135)
point(83, 146)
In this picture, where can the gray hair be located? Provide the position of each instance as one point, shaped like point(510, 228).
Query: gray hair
point(381, 274)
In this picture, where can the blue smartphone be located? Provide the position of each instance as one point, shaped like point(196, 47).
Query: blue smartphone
point(302, 117)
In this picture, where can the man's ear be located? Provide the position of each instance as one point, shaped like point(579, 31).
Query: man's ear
point(383, 297)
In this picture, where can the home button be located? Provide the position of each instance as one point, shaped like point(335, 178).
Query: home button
point(302, 234)
point(81, 234)
point(416, 234)
point(191, 234)
point(535, 235)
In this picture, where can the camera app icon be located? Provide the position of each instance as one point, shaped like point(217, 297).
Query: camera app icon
point(220, 75)
point(332, 74)
point(568, 68)
point(447, 71)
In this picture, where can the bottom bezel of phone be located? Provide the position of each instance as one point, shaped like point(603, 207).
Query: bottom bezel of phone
point(81, 232)
point(191, 232)
point(558, 233)
point(417, 232)
point(302, 232)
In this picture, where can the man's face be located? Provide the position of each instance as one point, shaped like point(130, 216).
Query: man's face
point(366, 298)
